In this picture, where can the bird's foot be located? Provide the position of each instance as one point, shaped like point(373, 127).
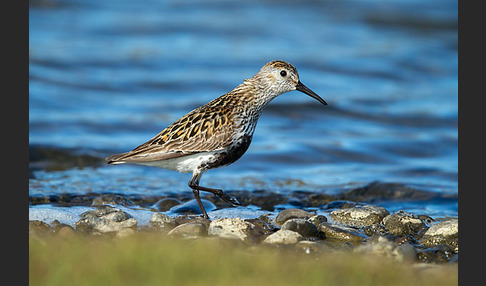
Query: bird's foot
point(228, 199)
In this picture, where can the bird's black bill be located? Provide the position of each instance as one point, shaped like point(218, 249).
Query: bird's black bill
point(302, 88)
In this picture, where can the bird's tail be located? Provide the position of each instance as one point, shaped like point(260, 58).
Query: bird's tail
point(115, 159)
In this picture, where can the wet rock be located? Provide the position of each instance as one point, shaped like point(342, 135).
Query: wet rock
point(317, 199)
point(402, 223)
point(405, 239)
point(437, 254)
point(38, 227)
point(283, 236)
point(301, 226)
point(162, 222)
point(111, 199)
point(187, 219)
point(445, 232)
point(107, 212)
point(191, 229)
point(382, 247)
point(105, 219)
point(375, 229)
point(263, 199)
point(287, 214)
point(426, 219)
point(192, 207)
point(235, 228)
point(340, 204)
point(166, 204)
point(359, 216)
point(317, 219)
point(261, 227)
point(379, 191)
point(341, 233)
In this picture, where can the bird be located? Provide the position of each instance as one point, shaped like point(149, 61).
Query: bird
point(218, 133)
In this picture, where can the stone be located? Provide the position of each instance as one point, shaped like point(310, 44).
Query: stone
point(191, 229)
point(283, 236)
point(359, 216)
point(375, 229)
point(235, 228)
point(162, 222)
point(105, 219)
point(166, 204)
point(192, 207)
point(107, 212)
point(402, 223)
point(317, 219)
point(111, 199)
point(261, 227)
point(385, 248)
point(445, 232)
point(341, 233)
point(287, 214)
point(437, 254)
point(302, 226)
point(38, 227)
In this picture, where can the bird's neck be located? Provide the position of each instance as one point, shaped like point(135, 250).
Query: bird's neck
point(254, 94)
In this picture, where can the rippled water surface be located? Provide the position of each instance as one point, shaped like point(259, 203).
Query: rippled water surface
point(106, 76)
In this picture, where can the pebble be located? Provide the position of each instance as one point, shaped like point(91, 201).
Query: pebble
point(105, 219)
point(111, 199)
point(317, 219)
point(359, 216)
point(437, 254)
point(341, 233)
point(302, 226)
point(166, 204)
point(402, 223)
point(191, 207)
point(283, 236)
point(385, 248)
point(191, 229)
point(287, 214)
point(38, 227)
point(365, 229)
point(375, 229)
point(162, 222)
point(445, 232)
point(235, 228)
point(107, 212)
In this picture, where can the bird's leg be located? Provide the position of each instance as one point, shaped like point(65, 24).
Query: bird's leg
point(219, 193)
point(194, 185)
point(199, 202)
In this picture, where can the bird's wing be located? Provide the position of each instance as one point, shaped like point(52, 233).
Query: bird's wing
point(208, 128)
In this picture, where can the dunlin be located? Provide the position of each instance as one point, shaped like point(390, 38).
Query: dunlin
point(218, 133)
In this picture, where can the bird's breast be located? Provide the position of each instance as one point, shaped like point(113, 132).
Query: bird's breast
point(231, 153)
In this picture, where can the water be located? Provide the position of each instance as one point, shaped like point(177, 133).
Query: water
point(106, 76)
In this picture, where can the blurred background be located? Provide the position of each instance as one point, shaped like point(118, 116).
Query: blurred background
point(106, 76)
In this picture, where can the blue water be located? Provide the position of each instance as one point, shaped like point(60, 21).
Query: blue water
point(106, 76)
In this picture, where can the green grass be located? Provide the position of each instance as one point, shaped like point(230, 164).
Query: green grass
point(150, 259)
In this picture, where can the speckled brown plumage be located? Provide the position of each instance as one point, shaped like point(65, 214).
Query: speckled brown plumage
point(219, 132)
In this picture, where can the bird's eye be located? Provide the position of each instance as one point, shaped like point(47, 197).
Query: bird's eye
point(283, 73)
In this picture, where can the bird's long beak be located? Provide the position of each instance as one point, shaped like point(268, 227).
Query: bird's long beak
point(302, 88)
